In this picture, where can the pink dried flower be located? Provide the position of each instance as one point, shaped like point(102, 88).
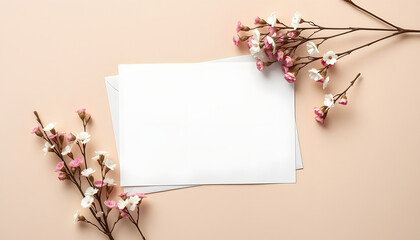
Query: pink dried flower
point(279, 55)
point(110, 204)
point(271, 31)
point(140, 195)
point(290, 77)
point(122, 194)
point(318, 112)
point(280, 39)
point(62, 176)
point(284, 69)
point(343, 100)
point(267, 45)
point(59, 166)
point(238, 26)
point(36, 129)
point(319, 119)
point(260, 65)
point(99, 183)
point(76, 162)
point(236, 40)
point(269, 54)
point(82, 110)
point(70, 137)
point(257, 20)
point(292, 34)
point(288, 62)
point(52, 136)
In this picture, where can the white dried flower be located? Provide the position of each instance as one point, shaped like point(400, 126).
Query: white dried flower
point(87, 172)
point(87, 201)
point(312, 48)
point(84, 137)
point(272, 19)
point(329, 100)
point(296, 20)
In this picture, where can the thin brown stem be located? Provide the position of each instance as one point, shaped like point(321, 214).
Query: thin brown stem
point(371, 14)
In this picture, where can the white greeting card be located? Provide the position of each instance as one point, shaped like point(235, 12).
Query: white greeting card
point(205, 124)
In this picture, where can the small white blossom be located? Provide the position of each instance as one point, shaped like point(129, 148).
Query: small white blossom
point(49, 126)
point(272, 42)
point(87, 201)
point(76, 217)
point(110, 164)
point(296, 20)
point(325, 83)
point(84, 137)
point(47, 147)
point(314, 74)
point(87, 172)
point(255, 48)
point(132, 202)
point(109, 181)
point(272, 19)
point(90, 191)
point(330, 58)
point(122, 204)
point(329, 100)
point(66, 150)
point(311, 48)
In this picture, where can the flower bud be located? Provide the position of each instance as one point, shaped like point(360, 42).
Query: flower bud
point(37, 131)
point(258, 20)
point(81, 218)
point(91, 178)
point(319, 120)
point(81, 113)
point(244, 28)
point(87, 117)
point(62, 176)
point(61, 138)
point(318, 112)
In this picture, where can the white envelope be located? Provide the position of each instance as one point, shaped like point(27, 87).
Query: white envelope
point(113, 97)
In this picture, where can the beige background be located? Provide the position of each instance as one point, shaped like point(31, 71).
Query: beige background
point(361, 178)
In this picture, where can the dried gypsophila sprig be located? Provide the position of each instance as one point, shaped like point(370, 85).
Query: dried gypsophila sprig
point(330, 100)
point(96, 197)
point(279, 42)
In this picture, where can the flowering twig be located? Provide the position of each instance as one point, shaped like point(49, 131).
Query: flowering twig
point(330, 100)
point(94, 195)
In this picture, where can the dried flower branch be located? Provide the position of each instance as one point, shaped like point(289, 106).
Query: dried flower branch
point(96, 197)
point(273, 41)
point(330, 100)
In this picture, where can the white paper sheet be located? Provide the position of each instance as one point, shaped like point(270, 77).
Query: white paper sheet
point(213, 123)
point(112, 86)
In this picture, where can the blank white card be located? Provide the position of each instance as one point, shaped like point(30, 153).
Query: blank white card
point(210, 123)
